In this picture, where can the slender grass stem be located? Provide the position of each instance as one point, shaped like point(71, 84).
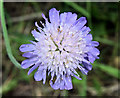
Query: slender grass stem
point(6, 38)
point(84, 86)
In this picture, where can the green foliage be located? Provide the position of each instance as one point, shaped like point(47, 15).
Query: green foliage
point(97, 86)
point(108, 69)
point(11, 84)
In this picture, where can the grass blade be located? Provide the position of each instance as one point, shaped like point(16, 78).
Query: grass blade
point(108, 69)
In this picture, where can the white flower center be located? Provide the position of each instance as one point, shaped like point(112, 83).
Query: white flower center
point(61, 49)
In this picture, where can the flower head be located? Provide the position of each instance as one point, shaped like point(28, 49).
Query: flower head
point(62, 46)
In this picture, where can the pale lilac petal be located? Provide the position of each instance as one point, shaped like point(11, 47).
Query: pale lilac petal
point(52, 75)
point(87, 65)
point(44, 16)
point(54, 16)
point(80, 22)
point(68, 83)
point(33, 68)
point(28, 62)
point(88, 37)
point(85, 30)
point(94, 51)
point(44, 76)
point(36, 34)
point(76, 77)
point(38, 75)
point(27, 47)
point(28, 54)
point(56, 85)
point(63, 17)
point(62, 85)
point(46, 21)
point(71, 18)
point(95, 43)
point(91, 58)
point(83, 70)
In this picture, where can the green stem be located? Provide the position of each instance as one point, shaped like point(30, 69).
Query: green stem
point(6, 38)
point(84, 86)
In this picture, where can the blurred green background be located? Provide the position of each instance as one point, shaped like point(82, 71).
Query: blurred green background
point(102, 18)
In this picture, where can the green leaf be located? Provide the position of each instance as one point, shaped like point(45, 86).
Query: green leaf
point(108, 69)
point(105, 41)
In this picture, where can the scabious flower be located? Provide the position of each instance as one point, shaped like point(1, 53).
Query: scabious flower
point(63, 45)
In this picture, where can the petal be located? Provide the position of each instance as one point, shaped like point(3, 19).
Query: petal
point(85, 30)
point(68, 83)
point(56, 85)
point(79, 23)
point(46, 21)
point(33, 68)
point(58, 77)
point(44, 16)
point(77, 77)
point(54, 16)
point(28, 54)
point(57, 82)
point(88, 38)
point(95, 43)
point(39, 28)
point(26, 65)
point(91, 58)
point(68, 71)
point(41, 74)
point(42, 67)
point(52, 75)
point(27, 47)
point(33, 42)
point(94, 51)
point(70, 20)
point(36, 34)
point(63, 18)
point(44, 76)
point(28, 62)
point(87, 65)
point(83, 70)
point(62, 85)
point(38, 75)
